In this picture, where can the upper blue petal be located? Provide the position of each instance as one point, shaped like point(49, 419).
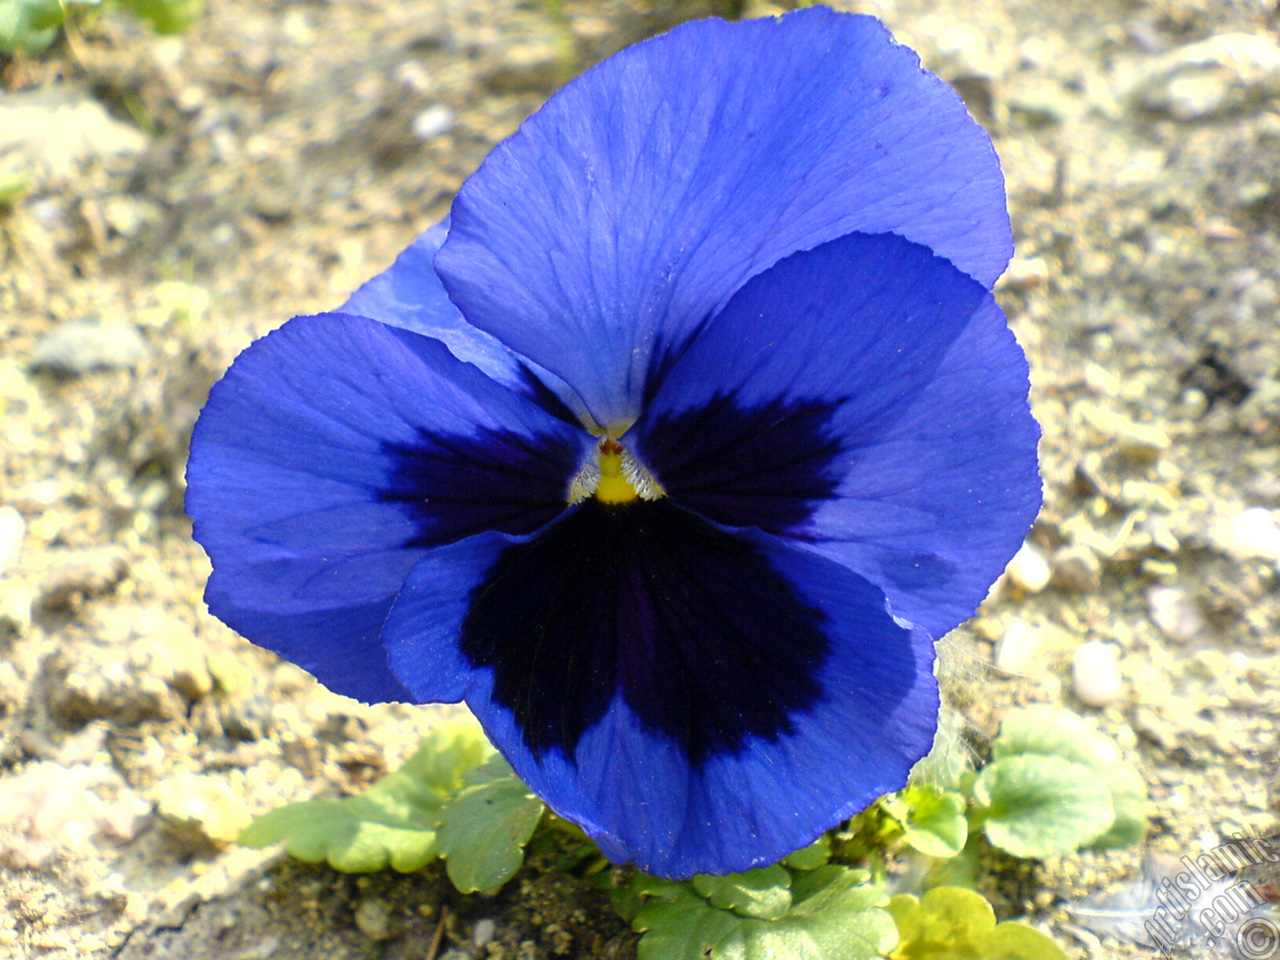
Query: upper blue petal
point(698, 701)
point(409, 294)
point(865, 399)
point(598, 238)
point(334, 452)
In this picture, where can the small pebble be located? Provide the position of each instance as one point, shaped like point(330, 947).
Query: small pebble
point(1026, 273)
point(12, 529)
point(524, 66)
point(414, 76)
point(373, 919)
point(435, 121)
point(126, 818)
point(201, 811)
point(1016, 652)
point(484, 932)
point(1077, 568)
point(1174, 613)
point(79, 346)
point(1211, 77)
point(1095, 673)
point(75, 575)
point(1141, 444)
point(1250, 534)
point(1029, 570)
point(264, 949)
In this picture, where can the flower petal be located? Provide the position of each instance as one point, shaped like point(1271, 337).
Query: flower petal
point(867, 400)
point(598, 238)
point(698, 700)
point(409, 295)
point(334, 452)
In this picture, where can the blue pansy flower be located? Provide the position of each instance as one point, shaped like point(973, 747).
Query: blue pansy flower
point(671, 453)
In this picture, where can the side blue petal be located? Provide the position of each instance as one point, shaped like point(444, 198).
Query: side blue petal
point(653, 695)
point(598, 238)
point(409, 294)
point(332, 455)
point(866, 400)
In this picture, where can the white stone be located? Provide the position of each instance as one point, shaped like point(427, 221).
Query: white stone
point(1026, 273)
point(12, 529)
point(79, 346)
point(435, 121)
point(1029, 570)
point(1174, 613)
point(1211, 77)
point(1016, 652)
point(54, 130)
point(1248, 535)
point(484, 932)
point(374, 919)
point(200, 810)
point(1095, 673)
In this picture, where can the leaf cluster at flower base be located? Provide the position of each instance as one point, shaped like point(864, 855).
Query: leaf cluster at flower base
point(1054, 785)
point(454, 798)
point(831, 912)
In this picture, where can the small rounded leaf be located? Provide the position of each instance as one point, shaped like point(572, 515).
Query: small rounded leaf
point(764, 894)
point(950, 923)
point(484, 830)
point(936, 825)
point(1042, 806)
point(1053, 732)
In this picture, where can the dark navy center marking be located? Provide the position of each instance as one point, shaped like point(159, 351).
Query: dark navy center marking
point(766, 466)
point(454, 486)
point(704, 640)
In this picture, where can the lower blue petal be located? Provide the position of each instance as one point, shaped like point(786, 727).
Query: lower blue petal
point(331, 456)
point(699, 701)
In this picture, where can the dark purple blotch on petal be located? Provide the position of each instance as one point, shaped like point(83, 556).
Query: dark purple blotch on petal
point(457, 486)
point(704, 640)
point(763, 466)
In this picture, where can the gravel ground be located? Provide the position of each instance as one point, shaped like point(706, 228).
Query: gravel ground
point(189, 193)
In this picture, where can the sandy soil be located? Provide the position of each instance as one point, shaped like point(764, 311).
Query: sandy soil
point(186, 194)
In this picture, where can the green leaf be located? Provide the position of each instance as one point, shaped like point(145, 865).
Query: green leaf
point(1129, 797)
point(834, 915)
point(811, 857)
point(447, 756)
point(962, 870)
point(936, 824)
point(764, 893)
point(166, 16)
point(391, 824)
point(483, 831)
point(950, 923)
point(30, 25)
point(1042, 806)
point(1017, 941)
point(12, 184)
point(1050, 731)
point(1053, 732)
point(678, 924)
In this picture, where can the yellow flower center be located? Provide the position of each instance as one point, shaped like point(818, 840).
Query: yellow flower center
point(614, 477)
point(614, 487)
